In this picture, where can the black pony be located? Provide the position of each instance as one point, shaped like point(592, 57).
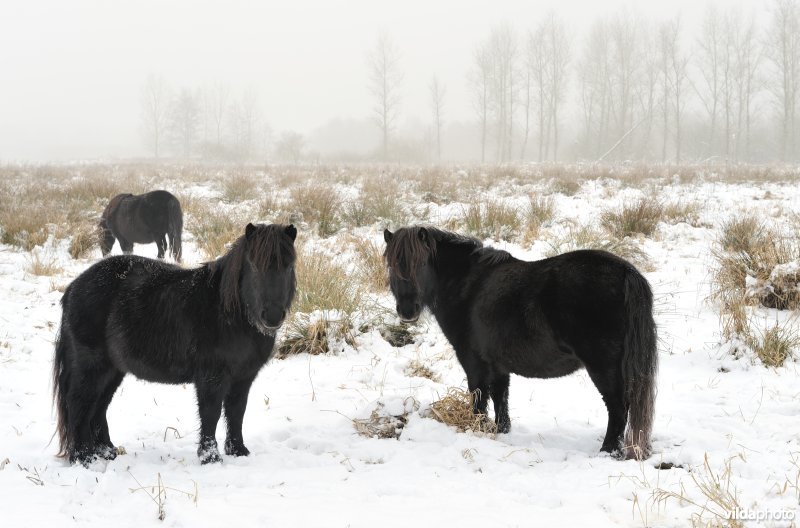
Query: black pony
point(142, 219)
point(539, 319)
point(213, 326)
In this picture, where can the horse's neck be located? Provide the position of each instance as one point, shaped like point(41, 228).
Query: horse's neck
point(455, 279)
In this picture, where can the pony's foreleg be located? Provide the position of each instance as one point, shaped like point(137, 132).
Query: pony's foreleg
point(498, 390)
point(235, 404)
point(209, 403)
point(477, 372)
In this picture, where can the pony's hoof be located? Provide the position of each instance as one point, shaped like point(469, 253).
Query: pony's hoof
point(83, 458)
point(503, 427)
point(236, 450)
point(108, 453)
point(209, 455)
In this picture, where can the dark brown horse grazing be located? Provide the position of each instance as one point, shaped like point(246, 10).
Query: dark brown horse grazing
point(213, 326)
point(142, 219)
point(544, 319)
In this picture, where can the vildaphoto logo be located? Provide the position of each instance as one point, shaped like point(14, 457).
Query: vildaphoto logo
point(743, 514)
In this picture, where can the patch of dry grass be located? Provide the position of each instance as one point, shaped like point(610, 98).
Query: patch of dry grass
point(238, 187)
point(323, 284)
point(214, 230)
point(315, 337)
point(84, 239)
point(43, 264)
point(682, 211)
point(492, 219)
point(720, 496)
point(319, 204)
point(760, 270)
point(633, 218)
point(742, 233)
point(371, 268)
point(455, 409)
point(774, 345)
point(381, 424)
point(588, 237)
point(418, 369)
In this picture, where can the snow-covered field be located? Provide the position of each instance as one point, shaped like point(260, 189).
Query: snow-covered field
point(720, 418)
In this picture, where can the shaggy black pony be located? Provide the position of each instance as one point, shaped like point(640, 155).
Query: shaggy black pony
point(213, 326)
point(539, 319)
point(142, 219)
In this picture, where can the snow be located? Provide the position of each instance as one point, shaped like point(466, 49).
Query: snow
point(309, 467)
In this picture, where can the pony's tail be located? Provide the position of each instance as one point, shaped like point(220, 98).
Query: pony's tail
point(175, 228)
point(639, 365)
point(61, 381)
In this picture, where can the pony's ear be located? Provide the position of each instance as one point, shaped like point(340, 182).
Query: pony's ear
point(423, 235)
point(291, 230)
point(387, 235)
point(249, 230)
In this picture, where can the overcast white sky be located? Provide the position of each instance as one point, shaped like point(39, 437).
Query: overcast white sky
point(71, 71)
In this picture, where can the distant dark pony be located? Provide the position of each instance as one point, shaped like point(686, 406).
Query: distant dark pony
point(540, 319)
point(213, 326)
point(142, 219)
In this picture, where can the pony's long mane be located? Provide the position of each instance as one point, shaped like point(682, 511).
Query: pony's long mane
point(406, 252)
point(269, 248)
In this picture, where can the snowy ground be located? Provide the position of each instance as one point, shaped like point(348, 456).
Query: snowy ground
point(309, 467)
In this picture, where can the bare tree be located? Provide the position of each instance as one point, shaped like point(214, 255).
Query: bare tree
point(558, 46)
point(595, 88)
point(748, 64)
point(437, 92)
point(674, 66)
point(385, 78)
point(784, 53)
point(155, 99)
point(290, 147)
point(502, 55)
point(216, 104)
point(184, 121)
point(245, 120)
point(479, 80)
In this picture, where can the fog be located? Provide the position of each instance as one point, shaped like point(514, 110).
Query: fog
point(72, 76)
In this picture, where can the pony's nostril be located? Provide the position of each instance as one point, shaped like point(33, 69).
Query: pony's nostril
point(263, 315)
point(397, 307)
point(416, 307)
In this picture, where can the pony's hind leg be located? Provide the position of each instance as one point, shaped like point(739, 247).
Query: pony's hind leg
point(209, 403)
point(161, 244)
point(609, 383)
point(125, 245)
point(235, 405)
point(498, 390)
point(105, 448)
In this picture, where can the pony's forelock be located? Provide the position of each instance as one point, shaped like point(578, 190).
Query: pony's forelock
point(269, 247)
point(408, 250)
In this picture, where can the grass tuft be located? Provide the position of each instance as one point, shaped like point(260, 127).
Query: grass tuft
point(641, 216)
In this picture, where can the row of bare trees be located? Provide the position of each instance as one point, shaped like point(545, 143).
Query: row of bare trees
point(634, 89)
point(629, 88)
point(209, 122)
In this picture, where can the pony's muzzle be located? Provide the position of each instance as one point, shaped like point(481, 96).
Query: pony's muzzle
point(272, 318)
point(407, 316)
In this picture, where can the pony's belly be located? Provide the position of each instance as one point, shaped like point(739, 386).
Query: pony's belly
point(148, 367)
point(541, 362)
